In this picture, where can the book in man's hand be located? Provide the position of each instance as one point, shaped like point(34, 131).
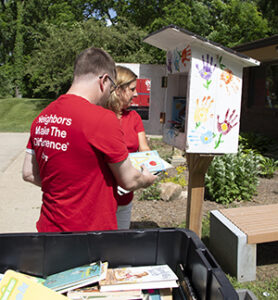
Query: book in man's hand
point(143, 277)
point(151, 159)
point(77, 277)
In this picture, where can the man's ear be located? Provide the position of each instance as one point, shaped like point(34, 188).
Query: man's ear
point(101, 83)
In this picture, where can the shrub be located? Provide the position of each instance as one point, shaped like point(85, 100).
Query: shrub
point(150, 193)
point(263, 146)
point(257, 142)
point(268, 166)
point(233, 177)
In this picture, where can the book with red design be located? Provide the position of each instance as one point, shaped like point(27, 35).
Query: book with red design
point(144, 277)
point(150, 159)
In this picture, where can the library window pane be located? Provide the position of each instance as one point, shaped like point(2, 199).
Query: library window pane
point(272, 86)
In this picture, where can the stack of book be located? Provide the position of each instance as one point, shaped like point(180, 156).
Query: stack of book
point(93, 281)
point(146, 282)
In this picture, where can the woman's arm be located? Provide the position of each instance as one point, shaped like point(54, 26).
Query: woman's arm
point(143, 143)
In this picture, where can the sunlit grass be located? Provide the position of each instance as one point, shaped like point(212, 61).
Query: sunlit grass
point(16, 115)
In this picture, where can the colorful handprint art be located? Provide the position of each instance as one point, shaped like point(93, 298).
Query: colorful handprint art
point(230, 81)
point(202, 113)
point(202, 136)
point(207, 70)
point(226, 126)
point(185, 55)
point(227, 78)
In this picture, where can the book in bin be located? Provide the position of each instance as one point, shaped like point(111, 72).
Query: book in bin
point(143, 277)
point(15, 285)
point(93, 292)
point(76, 277)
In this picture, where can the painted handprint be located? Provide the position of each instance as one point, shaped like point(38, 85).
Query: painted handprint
point(202, 136)
point(185, 55)
point(225, 126)
point(231, 82)
point(207, 70)
point(202, 110)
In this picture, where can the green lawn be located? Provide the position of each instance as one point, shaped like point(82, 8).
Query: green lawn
point(16, 115)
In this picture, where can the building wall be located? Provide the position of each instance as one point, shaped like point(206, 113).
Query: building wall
point(255, 115)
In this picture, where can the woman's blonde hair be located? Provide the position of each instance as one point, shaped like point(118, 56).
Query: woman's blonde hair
point(124, 77)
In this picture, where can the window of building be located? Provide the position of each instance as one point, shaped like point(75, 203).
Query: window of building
point(271, 85)
point(263, 86)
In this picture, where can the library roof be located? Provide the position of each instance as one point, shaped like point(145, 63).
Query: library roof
point(170, 36)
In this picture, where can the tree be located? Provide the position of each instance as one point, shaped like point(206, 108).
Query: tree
point(23, 25)
point(50, 68)
point(269, 10)
point(43, 36)
point(18, 50)
point(235, 22)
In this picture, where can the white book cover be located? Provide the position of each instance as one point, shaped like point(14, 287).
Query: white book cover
point(150, 159)
point(145, 277)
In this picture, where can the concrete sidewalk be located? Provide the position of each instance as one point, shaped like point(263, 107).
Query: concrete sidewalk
point(20, 201)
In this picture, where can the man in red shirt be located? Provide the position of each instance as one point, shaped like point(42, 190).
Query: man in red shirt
point(77, 154)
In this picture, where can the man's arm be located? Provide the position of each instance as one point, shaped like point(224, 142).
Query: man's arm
point(130, 178)
point(30, 170)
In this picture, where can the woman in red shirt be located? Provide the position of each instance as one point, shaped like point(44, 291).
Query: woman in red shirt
point(133, 129)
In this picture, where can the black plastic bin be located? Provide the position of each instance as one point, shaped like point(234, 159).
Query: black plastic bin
point(42, 254)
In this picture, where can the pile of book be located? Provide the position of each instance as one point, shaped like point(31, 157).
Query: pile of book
point(93, 281)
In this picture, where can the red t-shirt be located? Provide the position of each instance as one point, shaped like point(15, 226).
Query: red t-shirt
point(131, 124)
point(73, 141)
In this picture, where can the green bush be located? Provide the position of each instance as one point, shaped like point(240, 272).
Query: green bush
point(265, 147)
point(257, 142)
point(233, 177)
point(268, 166)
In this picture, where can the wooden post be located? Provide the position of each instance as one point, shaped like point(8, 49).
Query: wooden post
point(197, 167)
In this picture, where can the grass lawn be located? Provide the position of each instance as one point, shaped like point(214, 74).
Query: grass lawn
point(16, 115)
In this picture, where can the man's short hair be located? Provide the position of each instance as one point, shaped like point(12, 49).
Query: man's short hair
point(94, 61)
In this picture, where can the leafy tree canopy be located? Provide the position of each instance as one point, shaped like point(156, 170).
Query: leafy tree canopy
point(39, 39)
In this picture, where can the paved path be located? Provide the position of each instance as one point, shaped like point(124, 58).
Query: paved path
point(20, 201)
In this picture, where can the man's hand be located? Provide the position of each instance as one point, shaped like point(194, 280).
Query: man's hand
point(150, 178)
point(129, 177)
